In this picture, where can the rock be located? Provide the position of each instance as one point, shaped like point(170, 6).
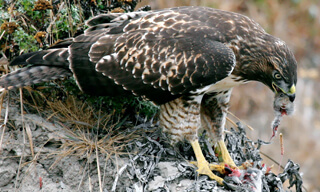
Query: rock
point(157, 182)
point(182, 186)
point(168, 169)
point(7, 171)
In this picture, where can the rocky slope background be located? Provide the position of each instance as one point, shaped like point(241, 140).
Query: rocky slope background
point(67, 141)
point(137, 158)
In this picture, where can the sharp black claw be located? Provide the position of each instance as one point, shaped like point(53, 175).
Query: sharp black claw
point(228, 170)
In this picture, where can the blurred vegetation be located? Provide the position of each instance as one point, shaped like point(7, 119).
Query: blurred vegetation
point(33, 25)
point(22, 20)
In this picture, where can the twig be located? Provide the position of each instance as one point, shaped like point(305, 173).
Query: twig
point(282, 150)
point(2, 34)
point(232, 122)
point(24, 142)
point(252, 129)
point(114, 186)
point(281, 144)
point(98, 168)
point(273, 160)
point(4, 125)
point(26, 126)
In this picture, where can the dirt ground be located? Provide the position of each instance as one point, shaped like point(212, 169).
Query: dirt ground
point(151, 163)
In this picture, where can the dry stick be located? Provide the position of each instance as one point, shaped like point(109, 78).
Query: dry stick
point(24, 141)
point(70, 19)
point(252, 129)
point(90, 185)
point(232, 122)
point(98, 168)
point(97, 156)
point(82, 178)
point(1, 100)
point(29, 133)
point(27, 127)
point(282, 151)
point(281, 144)
point(2, 34)
point(89, 163)
point(121, 170)
point(4, 125)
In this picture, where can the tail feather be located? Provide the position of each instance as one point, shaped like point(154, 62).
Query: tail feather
point(74, 56)
point(22, 59)
point(50, 57)
point(31, 75)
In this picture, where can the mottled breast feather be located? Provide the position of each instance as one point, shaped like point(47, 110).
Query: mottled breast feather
point(164, 54)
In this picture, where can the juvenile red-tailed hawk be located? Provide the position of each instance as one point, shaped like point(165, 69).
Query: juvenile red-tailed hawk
point(185, 59)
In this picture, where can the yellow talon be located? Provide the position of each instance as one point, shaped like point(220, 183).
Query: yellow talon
point(213, 167)
point(224, 154)
point(217, 167)
point(202, 164)
point(204, 168)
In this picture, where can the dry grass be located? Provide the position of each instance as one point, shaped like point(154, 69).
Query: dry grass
point(81, 140)
point(88, 134)
point(5, 121)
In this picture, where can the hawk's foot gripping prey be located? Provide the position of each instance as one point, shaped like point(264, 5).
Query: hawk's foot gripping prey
point(204, 168)
point(185, 59)
point(202, 163)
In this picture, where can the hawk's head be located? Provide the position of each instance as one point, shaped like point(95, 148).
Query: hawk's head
point(270, 61)
point(282, 81)
point(282, 71)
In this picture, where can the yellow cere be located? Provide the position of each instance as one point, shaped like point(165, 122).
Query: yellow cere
point(292, 89)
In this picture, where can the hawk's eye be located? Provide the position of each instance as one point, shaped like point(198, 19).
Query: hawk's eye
point(277, 76)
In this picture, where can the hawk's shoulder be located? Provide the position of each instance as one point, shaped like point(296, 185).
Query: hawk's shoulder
point(161, 55)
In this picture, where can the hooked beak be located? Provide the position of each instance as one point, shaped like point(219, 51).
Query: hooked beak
point(292, 97)
point(291, 93)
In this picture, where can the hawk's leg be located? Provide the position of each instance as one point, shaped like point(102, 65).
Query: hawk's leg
point(213, 114)
point(181, 119)
point(223, 153)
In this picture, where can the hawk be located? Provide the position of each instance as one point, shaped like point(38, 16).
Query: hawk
point(184, 59)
